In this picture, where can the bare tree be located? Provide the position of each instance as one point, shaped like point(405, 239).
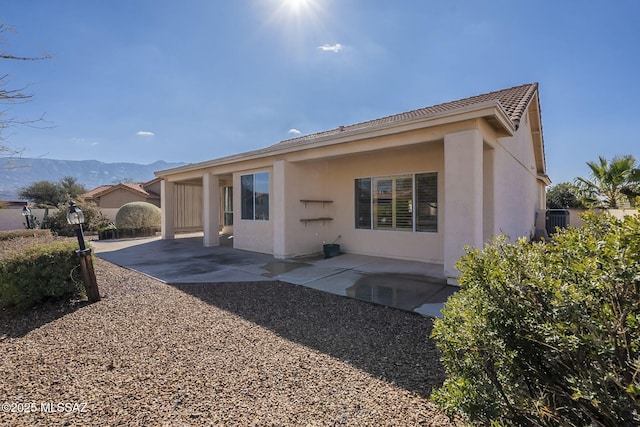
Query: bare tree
point(10, 96)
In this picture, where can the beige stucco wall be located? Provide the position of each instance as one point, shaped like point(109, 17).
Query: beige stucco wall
point(464, 161)
point(496, 192)
point(155, 188)
point(333, 180)
point(12, 219)
point(117, 198)
point(251, 235)
point(517, 190)
point(110, 213)
point(576, 221)
point(341, 175)
point(304, 181)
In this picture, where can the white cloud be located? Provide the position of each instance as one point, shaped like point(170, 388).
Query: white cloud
point(145, 133)
point(294, 131)
point(331, 48)
point(84, 142)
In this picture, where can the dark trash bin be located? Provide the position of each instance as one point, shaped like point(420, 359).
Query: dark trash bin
point(556, 218)
point(330, 250)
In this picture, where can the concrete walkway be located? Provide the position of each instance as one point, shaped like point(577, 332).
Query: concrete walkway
point(407, 285)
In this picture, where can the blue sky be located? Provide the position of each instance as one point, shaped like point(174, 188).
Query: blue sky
point(146, 80)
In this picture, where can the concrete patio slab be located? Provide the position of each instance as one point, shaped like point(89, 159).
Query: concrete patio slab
point(349, 261)
point(336, 284)
point(407, 285)
point(308, 274)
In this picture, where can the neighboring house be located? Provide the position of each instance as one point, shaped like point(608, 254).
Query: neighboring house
point(114, 196)
point(419, 185)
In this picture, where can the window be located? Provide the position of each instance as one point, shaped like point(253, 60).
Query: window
point(427, 202)
point(393, 203)
point(228, 206)
point(254, 195)
point(363, 203)
point(387, 203)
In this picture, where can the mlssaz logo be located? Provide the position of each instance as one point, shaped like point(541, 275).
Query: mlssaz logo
point(51, 407)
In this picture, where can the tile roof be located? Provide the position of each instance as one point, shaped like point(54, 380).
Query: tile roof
point(514, 101)
point(137, 187)
point(95, 191)
point(103, 189)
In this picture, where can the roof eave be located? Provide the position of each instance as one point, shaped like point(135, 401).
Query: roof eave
point(492, 111)
point(210, 163)
point(544, 178)
point(537, 134)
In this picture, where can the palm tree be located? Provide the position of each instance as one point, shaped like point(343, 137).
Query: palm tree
point(633, 190)
point(611, 184)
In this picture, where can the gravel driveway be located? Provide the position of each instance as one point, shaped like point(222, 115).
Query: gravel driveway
point(262, 353)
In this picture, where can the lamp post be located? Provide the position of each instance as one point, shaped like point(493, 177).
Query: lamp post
point(26, 212)
point(76, 217)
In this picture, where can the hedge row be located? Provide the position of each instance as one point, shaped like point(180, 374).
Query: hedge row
point(12, 234)
point(34, 273)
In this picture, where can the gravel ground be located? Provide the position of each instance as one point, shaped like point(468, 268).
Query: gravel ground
point(266, 353)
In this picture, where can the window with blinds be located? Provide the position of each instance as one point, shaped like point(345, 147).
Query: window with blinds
point(363, 203)
point(398, 202)
point(427, 202)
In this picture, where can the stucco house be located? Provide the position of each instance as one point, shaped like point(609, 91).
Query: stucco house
point(418, 185)
point(114, 196)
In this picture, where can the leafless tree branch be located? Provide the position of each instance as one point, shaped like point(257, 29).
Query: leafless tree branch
point(15, 96)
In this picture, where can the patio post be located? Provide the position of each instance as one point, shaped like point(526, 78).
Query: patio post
point(463, 196)
point(211, 212)
point(167, 190)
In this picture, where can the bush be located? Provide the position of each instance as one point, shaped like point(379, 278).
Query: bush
point(138, 215)
point(547, 333)
point(35, 273)
point(93, 219)
point(13, 242)
point(13, 234)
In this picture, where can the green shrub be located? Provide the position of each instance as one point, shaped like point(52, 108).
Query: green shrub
point(93, 219)
point(547, 333)
point(12, 234)
point(34, 273)
point(138, 215)
point(13, 242)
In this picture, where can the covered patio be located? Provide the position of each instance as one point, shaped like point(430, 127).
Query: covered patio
point(417, 186)
point(407, 285)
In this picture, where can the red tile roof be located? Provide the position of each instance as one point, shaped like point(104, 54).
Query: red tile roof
point(514, 101)
point(96, 191)
point(135, 187)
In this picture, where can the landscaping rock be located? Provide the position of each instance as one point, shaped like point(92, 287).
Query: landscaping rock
point(266, 353)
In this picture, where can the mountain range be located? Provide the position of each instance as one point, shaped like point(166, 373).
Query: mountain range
point(17, 173)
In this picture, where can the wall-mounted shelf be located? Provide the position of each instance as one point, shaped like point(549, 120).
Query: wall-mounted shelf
point(306, 220)
point(305, 201)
